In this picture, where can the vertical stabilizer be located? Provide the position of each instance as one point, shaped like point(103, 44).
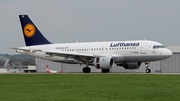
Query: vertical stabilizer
point(32, 35)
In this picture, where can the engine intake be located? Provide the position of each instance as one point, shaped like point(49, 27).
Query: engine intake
point(104, 62)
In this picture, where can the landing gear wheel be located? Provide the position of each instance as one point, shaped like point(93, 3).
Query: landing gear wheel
point(147, 67)
point(86, 70)
point(148, 70)
point(105, 70)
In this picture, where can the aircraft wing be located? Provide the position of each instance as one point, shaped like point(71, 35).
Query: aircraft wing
point(56, 53)
point(80, 56)
point(68, 54)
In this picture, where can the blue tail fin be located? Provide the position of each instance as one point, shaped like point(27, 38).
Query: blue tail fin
point(32, 35)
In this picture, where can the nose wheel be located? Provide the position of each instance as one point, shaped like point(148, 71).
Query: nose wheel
point(148, 70)
point(147, 67)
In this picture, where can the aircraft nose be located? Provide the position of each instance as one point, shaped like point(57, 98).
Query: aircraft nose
point(168, 53)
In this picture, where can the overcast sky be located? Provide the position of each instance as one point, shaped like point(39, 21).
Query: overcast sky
point(92, 20)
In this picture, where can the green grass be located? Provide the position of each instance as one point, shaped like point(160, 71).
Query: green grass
point(89, 87)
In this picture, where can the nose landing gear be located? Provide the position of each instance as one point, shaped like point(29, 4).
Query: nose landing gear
point(147, 69)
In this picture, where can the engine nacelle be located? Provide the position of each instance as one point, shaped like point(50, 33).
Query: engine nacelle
point(131, 65)
point(104, 62)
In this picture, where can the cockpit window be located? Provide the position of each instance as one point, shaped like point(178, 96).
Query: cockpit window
point(158, 46)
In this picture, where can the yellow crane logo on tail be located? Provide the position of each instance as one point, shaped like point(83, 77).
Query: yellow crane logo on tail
point(29, 30)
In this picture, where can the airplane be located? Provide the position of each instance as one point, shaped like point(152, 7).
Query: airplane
point(101, 55)
point(50, 71)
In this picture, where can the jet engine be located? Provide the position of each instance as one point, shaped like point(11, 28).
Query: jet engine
point(131, 65)
point(104, 62)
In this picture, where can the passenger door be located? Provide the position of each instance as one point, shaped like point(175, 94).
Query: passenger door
point(143, 48)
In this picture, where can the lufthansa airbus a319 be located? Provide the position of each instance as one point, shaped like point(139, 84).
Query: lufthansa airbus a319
point(101, 55)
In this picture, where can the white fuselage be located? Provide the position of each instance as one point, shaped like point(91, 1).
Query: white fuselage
point(122, 51)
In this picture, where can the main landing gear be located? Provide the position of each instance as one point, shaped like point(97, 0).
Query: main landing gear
point(147, 69)
point(86, 69)
point(105, 70)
